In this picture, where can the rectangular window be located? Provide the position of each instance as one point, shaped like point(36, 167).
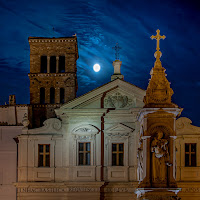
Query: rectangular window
point(43, 155)
point(53, 64)
point(61, 64)
point(190, 154)
point(43, 64)
point(117, 154)
point(84, 153)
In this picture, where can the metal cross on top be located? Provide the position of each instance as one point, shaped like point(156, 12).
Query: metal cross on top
point(116, 48)
point(158, 37)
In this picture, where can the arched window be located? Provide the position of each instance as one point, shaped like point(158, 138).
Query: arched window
point(43, 63)
point(53, 64)
point(61, 64)
point(52, 95)
point(62, 95)
point(42, 95)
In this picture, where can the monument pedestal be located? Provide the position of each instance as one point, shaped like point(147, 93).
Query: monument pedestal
point(157, 193)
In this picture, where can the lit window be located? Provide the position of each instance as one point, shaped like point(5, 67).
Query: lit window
point(117, 154)
point(84, 153)
point(43, 155)
point(190, 154)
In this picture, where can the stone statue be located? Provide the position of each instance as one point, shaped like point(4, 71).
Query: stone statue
point(160, 158)
point(140, 161)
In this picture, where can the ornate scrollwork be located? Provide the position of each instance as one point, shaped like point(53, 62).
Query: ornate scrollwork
point(117, 100)
point(53, 123)
point(183, 122)
point(83, 130)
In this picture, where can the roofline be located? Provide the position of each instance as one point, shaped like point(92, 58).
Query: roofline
point(17, 105)
point(134, 85)
point(102, 86)
point(74, 37)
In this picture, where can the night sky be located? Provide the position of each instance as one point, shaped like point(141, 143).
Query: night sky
point(99, 24)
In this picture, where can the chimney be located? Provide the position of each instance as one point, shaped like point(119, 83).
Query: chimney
point(12, 100)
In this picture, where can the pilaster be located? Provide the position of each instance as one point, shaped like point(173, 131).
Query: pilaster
point(57, 64)
point(48, 64)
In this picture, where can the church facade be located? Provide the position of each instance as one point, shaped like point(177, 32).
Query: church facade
point(105, 144)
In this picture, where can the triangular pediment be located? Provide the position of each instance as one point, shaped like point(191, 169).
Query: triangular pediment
point(119, 128)
point(128, 95)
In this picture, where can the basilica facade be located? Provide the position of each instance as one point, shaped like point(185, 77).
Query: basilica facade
point(117, 141)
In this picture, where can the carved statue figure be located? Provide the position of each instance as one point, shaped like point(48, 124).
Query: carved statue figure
point(160, 158)
point(140, 161)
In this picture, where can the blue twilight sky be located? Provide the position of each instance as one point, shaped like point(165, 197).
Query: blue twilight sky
point(99, 24)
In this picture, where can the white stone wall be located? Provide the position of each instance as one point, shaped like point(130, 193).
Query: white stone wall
point(8, 161)
point(83, 126)
point(12, 115)
point(187, 133)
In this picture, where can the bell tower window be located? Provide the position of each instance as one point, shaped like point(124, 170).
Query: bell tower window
point(53, 64)
point(52, 95)
point(62, 95)
point(43, 64)
point(42, 95)
point(61, 64)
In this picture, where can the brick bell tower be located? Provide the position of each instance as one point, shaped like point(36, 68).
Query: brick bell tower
point(156, 153)
point(53, 79)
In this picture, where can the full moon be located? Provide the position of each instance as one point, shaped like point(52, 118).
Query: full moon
point(96, 67)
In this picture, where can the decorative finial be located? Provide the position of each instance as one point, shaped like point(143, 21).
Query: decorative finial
point(116, 48)
point(158, 53)
point(159, 92)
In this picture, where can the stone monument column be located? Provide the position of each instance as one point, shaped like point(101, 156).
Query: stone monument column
point(157, 137)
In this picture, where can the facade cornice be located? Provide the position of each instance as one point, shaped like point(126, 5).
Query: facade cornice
point(145, 111)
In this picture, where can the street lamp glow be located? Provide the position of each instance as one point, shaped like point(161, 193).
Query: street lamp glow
point(96, 67)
